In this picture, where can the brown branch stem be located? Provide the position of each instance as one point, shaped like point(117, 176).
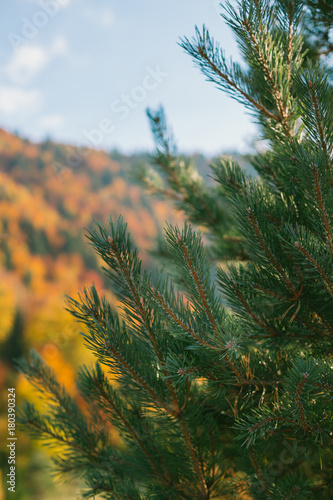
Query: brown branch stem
point(197, 282)
point(232, 84)
point(268, 253)
point(259, 473)
point(314, 170)
point(299, 403)
point(319, 125)
point(253, 316)
point(133, 433)
point(275, 91)
point(316, 265)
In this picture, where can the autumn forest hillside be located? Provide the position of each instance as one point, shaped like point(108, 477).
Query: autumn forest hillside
point(49, 196)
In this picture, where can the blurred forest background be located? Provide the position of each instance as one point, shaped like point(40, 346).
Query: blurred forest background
point(45, 207)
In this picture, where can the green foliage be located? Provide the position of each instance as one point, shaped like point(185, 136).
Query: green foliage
point(176, 177)
point(317, 27)
point(13, 347)
point(224, 382)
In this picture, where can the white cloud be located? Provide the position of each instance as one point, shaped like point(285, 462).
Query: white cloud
point(59, 47)
point(64, 3)
point(16, 100)
point(61, 3)
point(26, 62)
point(103, 17)
point(51, 122)
point(30, 59)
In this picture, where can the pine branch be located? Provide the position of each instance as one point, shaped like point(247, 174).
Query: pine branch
point(109, 338)
point(299, 403)
point(282, 115)
point(316, 266)
point(132, 433)
point(179, 322)
point(269, 254)
point(197, 281)
point(49, 434)
point(170, 164)
point(318, 120)
point(314, 170)
point(202, 362)
point(212, 63)
point(114, 353)
point(125, 270)
point(272, 332)
point(259, 473)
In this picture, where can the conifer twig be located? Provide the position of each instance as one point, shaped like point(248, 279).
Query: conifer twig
point(272, 332)
point(272, 419)
point(259, 473)
point(136, 297)
point(232, 84)
point(204, 300)
point(197, 282)
point(314, 170)
point(299, 403)
point(275, 91)
point(183, 325)
point(57, 437)
point(268, 253)
point(316, 265)
point(318, 120)
point(135, 376)
point(165, 470)
point(132, 432)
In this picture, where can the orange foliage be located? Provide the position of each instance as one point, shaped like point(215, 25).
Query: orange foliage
point(44, 207)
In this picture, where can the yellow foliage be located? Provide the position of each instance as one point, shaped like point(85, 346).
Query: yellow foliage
point(50, 322)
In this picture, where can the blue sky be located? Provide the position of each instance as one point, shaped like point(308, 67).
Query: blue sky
point(84, 71)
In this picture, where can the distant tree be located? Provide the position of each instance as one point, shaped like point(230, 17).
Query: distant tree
point(13, 347)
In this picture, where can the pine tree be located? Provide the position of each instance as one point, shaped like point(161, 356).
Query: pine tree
point(224, 384)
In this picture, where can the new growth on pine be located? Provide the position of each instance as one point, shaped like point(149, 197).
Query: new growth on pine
point(224, 379)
